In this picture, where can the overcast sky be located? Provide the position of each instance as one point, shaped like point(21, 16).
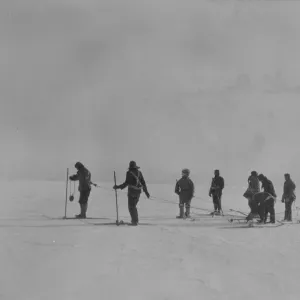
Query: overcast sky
point(168, 83)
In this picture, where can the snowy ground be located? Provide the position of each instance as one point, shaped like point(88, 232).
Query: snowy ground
point(44, 257)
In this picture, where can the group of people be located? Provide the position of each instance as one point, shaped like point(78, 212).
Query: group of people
point(261, 200)
point(262, 203)
point(184, 188)
point(134, 181)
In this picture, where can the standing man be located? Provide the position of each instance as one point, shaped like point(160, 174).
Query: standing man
point(185, 190)
point(216, 191)
point(136, 183)
point(288, 196)
point(84, 177)
point(268, 205)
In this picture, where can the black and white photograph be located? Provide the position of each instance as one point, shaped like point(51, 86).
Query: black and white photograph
point(150, 149)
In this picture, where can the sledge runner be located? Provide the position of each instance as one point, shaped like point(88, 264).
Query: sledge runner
point(185, 189)
point(216, 190)
point(253, 186)
point(263, 203)
point(136, 183)
point(84, 177)
point(288, 196)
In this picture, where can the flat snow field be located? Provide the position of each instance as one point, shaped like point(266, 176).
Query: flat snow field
point(45, 257)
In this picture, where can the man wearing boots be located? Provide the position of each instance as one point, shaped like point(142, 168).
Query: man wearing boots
point(136, 183)
point(84, 177)
point(288, 196)
point(268, 205)
point(216, 190)
point(184, 188)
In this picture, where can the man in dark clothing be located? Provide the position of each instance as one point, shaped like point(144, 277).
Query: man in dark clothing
point(288, 196)
point(84, 177)
point(267, 185)
point(184, 188)
point(268, 205)
point(254, 182)
point(216, 190)
point(253, 186)
point(136, 183)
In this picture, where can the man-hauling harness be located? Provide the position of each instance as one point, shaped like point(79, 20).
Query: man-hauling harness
point(138, 185)
point(135, 185)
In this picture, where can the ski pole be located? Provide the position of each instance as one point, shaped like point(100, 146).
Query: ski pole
point(117, 209)
point(66, 201)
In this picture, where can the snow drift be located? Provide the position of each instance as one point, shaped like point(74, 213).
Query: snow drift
point(45, 257)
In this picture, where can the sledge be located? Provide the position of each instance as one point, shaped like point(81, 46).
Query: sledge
point(238, 211)
point(253, 223)
point(254, 216)
point(243, 220)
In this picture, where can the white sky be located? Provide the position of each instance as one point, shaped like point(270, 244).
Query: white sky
point(168, 83)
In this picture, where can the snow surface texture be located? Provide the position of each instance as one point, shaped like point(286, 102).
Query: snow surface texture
point(45, 257)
